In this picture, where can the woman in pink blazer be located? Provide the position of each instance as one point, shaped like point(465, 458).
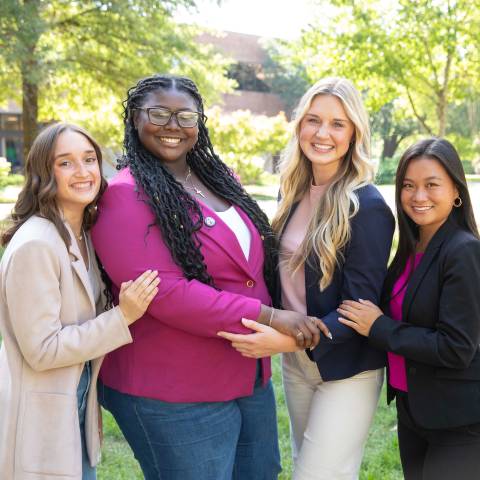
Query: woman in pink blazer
point(188, 403)
point(52, 320)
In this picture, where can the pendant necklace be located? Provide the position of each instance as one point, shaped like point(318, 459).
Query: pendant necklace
point(192, 186)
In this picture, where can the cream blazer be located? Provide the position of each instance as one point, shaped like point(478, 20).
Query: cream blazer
point(50, 326)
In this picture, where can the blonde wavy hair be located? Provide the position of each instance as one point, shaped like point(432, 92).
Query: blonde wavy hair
point(329, 228)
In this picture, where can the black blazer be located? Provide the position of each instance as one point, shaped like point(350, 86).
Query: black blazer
point(360, 275)
point(440, 332)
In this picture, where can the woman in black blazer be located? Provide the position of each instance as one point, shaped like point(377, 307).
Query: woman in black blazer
point(434, 334)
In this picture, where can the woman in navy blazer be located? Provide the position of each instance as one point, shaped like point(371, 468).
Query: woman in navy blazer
point(434, 332)
point(335, 234)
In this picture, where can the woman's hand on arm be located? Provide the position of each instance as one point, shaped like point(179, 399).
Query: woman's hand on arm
point(359, 315)
point(47, 337)
point(264, 342)
point(304, 329)
point(135, 295)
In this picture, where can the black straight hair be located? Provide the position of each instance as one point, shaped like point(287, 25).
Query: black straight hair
point(443, 152)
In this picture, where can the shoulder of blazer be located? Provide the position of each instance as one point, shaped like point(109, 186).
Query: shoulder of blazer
point(36, 232)
point(459, 237)
point(125, 187)
point(372, 209)
point(456, 241)
point(37, 229)
point(369, 195)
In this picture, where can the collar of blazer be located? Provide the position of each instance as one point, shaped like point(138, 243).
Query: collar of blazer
point(443, 233)
point(226, 239)
point(78, 264)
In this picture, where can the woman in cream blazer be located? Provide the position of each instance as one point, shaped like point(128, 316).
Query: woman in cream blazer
point(50, 314)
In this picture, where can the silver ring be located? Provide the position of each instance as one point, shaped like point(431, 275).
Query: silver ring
point(300, 333)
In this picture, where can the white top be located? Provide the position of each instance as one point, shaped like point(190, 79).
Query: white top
point(94, 284)
point(234, 221)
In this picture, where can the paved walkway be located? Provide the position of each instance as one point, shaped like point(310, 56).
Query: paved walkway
point(5, 209)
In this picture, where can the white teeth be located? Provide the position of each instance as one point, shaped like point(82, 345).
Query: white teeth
point(421, 209)
point(82, 185)
point(323, 148)
point(170, 140)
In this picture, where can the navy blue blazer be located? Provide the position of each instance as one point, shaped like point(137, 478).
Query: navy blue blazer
point(440, 332)
point(360, 274)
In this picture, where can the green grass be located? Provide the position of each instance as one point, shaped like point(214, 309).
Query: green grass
point(381, 460)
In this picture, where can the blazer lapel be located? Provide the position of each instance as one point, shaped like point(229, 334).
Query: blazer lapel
point(255, 257)
point(419, 273)
point(78, 266)
point(221, 234)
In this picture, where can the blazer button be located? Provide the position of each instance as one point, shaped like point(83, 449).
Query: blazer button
point(250, 283)
point(412, 370)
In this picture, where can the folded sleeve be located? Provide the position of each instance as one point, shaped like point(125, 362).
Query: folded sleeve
point(128, 242)
point(454, 340)
point(365, 266)
point(34, 269)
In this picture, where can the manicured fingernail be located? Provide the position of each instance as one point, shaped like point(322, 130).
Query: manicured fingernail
point(330, 336)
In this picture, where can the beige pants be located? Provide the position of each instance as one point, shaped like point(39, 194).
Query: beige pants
point(329, 421)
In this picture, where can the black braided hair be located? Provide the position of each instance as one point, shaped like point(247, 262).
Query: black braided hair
point(177, 214)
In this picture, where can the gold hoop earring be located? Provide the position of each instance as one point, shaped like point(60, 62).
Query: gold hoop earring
point(457, 202)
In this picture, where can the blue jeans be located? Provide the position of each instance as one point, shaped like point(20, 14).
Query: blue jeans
point(200, 441)
point(88, 472)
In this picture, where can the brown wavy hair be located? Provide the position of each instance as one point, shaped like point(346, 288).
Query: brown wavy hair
point(38, 195)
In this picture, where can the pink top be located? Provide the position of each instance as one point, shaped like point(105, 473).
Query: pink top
point(396, 363)
point(293, 284)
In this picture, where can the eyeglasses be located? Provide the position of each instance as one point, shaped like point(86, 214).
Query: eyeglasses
point(161, 116)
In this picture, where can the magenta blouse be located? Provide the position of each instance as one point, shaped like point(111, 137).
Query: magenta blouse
point(396, 363)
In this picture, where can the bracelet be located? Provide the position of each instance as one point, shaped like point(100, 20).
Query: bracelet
point(272, 311)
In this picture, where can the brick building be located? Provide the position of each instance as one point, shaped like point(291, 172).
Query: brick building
point(249, 57)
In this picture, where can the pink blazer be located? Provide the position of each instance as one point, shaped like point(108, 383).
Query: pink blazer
point(176, 355)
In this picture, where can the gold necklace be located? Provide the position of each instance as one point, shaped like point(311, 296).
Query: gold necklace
point(80, 237)
point(193, 186)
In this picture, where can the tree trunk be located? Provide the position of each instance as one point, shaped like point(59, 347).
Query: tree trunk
point(29, 68)
point(442, 115)
point(29, 111)
point(390, 145)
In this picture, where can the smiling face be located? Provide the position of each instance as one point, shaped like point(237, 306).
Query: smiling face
point(76, 170)
point(325, 134)
point(427, 194)
point(169, 143)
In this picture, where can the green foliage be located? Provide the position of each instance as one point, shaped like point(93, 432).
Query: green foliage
point(5, 168)
point(466, 148)
point(386, 171)
point(6, 178)
point(424, 53)
point(392, 125)
point(243, 140)
point(79, 58)
point(284, 74)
